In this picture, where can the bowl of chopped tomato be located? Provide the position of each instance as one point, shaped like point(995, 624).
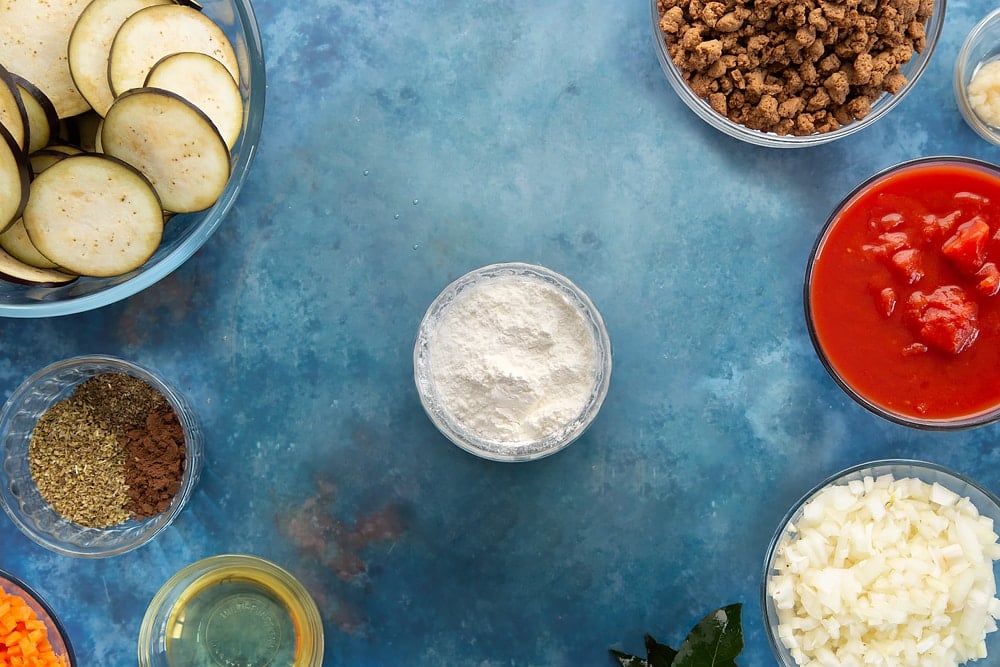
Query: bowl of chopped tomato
point(30, 632)
point(902, 293)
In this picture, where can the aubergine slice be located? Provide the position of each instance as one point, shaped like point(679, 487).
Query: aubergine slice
point(173, 143)
point(33, 39)
point(90, 46)
point(17, 244)
point(15, 176)
point(16, 271)
point(94, 215)
point(43, 159)
point(152, 33)
point(12, 113)
point(64, 148)
point(206, 83)
point(43, 121)
point(84, 128)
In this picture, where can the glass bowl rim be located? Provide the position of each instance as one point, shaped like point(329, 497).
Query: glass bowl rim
point(889, 465)
point(499, 451)
point(975, 420)
point(150, 274)
point(703, 110)
point(962, 72)
point(152, 625)
point(193, 455)
point(50, 613)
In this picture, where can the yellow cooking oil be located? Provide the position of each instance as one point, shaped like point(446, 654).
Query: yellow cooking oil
point(236, 617)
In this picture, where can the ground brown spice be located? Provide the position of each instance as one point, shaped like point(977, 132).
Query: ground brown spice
point(154, 463)
point(113, 450)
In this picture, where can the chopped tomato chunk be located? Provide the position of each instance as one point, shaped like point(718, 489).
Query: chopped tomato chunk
point(887, 244)
point(907, 264)
point(966, 248)
point(989, 279)
point(935, 227)
point(971, 200)
point(945, 319)
point(885, 299)
point(888, 222)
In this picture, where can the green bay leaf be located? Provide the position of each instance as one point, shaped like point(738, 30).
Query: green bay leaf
point(626, 660)
point(715, 641)
point(657, 654)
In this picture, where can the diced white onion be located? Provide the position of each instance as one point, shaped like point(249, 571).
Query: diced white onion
point(883, 572)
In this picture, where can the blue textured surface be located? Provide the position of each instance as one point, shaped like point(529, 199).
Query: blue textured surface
point(406, 143)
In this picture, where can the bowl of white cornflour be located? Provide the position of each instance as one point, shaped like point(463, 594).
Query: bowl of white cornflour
point(512, 362)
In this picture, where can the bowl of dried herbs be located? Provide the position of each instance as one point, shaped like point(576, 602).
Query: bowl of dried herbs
point(97, 456)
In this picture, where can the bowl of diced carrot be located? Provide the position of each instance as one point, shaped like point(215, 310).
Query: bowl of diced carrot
point(30, 633)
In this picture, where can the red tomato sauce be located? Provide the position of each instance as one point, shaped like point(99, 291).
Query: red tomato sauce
point(904, 291)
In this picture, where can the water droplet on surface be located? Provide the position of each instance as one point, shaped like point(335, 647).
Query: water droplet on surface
point(416, 246)
point(416, 201)
point(366, 172)
point(396, 217)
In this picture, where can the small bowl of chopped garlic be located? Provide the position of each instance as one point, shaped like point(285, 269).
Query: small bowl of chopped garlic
point(888, 562)
point(977, 78)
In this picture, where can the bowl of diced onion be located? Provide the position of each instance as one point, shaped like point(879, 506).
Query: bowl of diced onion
point(890, 562)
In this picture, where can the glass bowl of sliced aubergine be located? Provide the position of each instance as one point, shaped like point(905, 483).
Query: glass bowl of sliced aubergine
point(127, 128)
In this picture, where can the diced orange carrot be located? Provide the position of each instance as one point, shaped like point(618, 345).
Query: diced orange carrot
point(24, 640)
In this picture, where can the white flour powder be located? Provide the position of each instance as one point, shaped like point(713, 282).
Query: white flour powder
point(513, 359)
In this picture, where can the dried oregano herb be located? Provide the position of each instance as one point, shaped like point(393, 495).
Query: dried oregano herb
point(78, 465)
point(111, 451)
point(120, 400)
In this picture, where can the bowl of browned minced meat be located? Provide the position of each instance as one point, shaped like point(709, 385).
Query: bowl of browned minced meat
point(794, 73)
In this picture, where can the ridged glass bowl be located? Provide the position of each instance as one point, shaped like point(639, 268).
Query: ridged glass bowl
point(19, 494)
point(985, 501)
point(184, 234)
point(54, 630)
point(912, 71)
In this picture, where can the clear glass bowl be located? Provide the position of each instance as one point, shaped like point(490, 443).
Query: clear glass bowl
point(231, 610)
point(985, 501)
point(458, 433)
point(912, 71)
point(19, 494)
point(184, 234)
point(982, 45)
point(55, 631)
point(965, 421)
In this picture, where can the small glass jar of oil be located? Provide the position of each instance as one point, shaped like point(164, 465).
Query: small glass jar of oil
point(231, 611)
